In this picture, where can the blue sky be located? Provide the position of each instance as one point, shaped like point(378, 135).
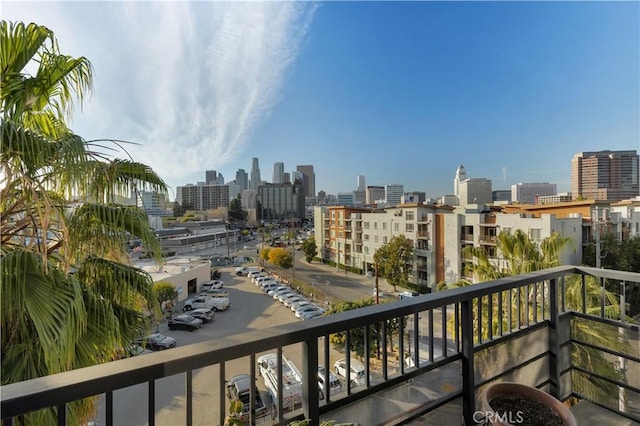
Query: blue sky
point(402, 92)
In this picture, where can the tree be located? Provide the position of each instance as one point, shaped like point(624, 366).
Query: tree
point(179, 210)
point(394, 259)
point(70, 297)
point(165, 291)
point(309, 248)
point(235, 210)
point(281, 257)
point(518, 254)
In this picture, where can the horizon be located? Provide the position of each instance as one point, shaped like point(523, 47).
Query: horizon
point(400, 92)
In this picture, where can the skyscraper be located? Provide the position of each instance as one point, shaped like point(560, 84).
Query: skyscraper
point(255, 175)
point(393, 193)
point(278, 172)
point(211, 177)
point(242, 179)
point(361, 184)
point(605, 175)
point(309, 181)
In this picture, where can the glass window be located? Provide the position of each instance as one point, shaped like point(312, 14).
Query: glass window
point(409, 215)
point(366, 225)
point(384, 226)
point(408, 227)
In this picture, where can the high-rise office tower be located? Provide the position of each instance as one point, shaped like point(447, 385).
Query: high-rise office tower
point(361, 184)
point(393, 193)
point(309, 181)
point(242, 179)
point(286, 177)
point(605, 175)
point(211, 177)
point(278, 172)
point(255, 175)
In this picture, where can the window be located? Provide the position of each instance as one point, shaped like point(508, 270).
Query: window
point(408, 227)
point(375, 238)
point(375, 225)
point(396, 227)
point(365, 237)
point(535, 234)
point(384, 226)
point(340, 235)
point(384, 240)
point(409, 215)
point(333, 233)
point(366, 225)
point(366, 249)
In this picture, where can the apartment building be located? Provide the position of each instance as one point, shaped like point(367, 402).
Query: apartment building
point(606, 175)
point(277, 201)
point(350, 236)
point(203, 196)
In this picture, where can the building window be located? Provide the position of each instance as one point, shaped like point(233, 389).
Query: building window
point(396, 227)
point(333, 233)
point(366, 225)
point(365, 237)
point(375, 225)
point(535, 234)
point(384, 226)
point(333, 215)
point(384, 240)
point(409, 215)
point(408, 227)
point(375, 239)
point(340, 235)
point(366, 249)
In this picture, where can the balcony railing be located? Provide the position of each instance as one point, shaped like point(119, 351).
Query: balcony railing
point(449, 346)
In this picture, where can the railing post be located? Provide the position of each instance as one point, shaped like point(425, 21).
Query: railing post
point(310, 394)
point(468, 373)
point(554, 343)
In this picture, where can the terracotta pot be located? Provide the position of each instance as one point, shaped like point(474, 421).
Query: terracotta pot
point(528, 392)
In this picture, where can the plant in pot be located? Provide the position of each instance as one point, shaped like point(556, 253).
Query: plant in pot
point(509, 403)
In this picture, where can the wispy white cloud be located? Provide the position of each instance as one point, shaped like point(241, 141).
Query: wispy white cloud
point(187, 80)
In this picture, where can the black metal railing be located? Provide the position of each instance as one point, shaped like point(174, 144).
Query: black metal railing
point(450, 332)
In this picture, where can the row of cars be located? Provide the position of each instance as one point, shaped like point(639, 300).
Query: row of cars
point(302, 307)
point(198, 311)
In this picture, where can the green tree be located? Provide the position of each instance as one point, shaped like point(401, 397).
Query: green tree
point(517, 255)
point(235, 210)
point(394, 260)
point(69, 296)
point(165, 291)
point(309, 248)
point(281, 257)
point(179, 210)
point(356, 336)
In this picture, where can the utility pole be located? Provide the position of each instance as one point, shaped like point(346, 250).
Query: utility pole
point(375, 266)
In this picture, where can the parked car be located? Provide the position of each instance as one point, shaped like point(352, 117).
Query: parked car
point(215, 303)
point(292, 299)
point(184, 322)
point(213, 284)
point(214, 292)
point(203, 314)
point(269, 286)
point(256, 277)
point(240, 270)
point(294, 306)
point(283, 295)
point(306, 309)
point(238, 388)
point(272, 291)
point(407, 294)
point(311, 315)
point(334, 383)
point(156, 342)
point(285, 290)
point(357, 373)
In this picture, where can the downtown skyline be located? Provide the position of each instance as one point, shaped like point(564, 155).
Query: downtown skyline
point(400, 92)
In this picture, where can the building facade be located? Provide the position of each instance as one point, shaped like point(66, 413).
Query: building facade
point(242, 179)
point(393, 194)
point(606, 175)
point(528, 193)
point(475, 191)
point(278, 172)
point(280, 201)
point(373, 194)
point(255, 180)
point(202, 196)
point(309, 180)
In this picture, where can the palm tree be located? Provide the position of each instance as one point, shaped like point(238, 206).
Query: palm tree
point(518, 254)
point(70, 297)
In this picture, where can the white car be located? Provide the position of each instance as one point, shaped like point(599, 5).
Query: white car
point(285, 290)
point(212, 285)
point(306, 309)
point(310, 315)
point(292, 299)
point(286, 295)
point(275, 289)
point(300, 304)
point(357, 374)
